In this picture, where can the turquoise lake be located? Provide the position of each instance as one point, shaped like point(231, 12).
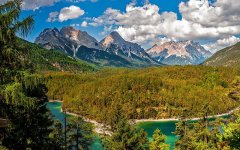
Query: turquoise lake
point(166, 127)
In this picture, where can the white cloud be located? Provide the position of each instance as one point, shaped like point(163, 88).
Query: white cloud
point(84, 24)
point(66, 13)
point(34, 4)
point(200, 20)
point(71, 12)
point(221, 43)
point(222, 13)
point(53, 16)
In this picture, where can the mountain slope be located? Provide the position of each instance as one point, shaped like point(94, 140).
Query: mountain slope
point(51, 60)
point(229, 56)
point(133, 52)
point(79, 44)
point(179, 53)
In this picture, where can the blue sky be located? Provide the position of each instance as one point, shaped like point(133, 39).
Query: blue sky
point(213, 23)
point(92, 9)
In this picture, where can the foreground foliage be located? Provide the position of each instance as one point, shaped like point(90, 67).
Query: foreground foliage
point(220, 134)
point(22, 94)
point(26, 122)
point(125, 136)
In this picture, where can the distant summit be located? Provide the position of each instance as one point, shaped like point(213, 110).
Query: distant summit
point(179, 53)
point(115, 44)
point(67, 38)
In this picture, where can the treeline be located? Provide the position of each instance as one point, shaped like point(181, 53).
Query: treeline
point(146, 93)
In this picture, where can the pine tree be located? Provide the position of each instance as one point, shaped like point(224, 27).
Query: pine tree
point(22, 95)
point(159, 140)
point(231, 134)
point(80, 135)
point(125, 136)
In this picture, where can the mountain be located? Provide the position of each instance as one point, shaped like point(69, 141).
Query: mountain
point(79, 44)
point(229, 56)
point(133, 52)
point(51, 60)
point(67, 39)
point(179, 53)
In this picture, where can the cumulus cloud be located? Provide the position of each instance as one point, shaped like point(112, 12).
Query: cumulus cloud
point(53, 16)
point(221, 43)
point(71, 12)
point(222, 12)
point(66, 13)
point(84, 24)
point(34, 4)
point(200, 20)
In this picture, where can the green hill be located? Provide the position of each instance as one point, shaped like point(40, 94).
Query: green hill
point(229, 56)
point(52, 60)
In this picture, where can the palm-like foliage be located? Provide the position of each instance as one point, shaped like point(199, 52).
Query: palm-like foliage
point(10, 24)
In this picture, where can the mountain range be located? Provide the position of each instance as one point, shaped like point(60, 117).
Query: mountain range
point(179, 53)
point(113, 50)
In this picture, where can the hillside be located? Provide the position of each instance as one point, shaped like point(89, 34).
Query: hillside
point(229, 56)
point(52, 60)
point(146, 93)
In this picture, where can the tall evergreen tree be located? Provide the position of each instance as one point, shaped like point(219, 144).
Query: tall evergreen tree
point(80, 135)
point(124, 136)
point(158, 142)
point(22, 95)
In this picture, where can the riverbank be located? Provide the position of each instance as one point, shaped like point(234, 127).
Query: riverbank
point(98, 127)
point(102, 129)
point(50, 101)
point(190, 119)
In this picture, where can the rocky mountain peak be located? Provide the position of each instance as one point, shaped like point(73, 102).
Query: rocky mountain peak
point(113, 38)
point(76, 38)
point(179, 53)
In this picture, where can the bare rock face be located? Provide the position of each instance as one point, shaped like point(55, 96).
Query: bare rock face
point(82, 38)
point(115, 44)
point(179, 53)
point(67, 39)
point(112, 51)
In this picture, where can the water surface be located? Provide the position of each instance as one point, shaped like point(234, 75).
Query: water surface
point(167, 127)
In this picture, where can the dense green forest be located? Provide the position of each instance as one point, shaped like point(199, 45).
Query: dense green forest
point(45, 60)
point(147, 93)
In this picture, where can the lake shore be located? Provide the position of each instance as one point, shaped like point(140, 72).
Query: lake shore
point(51, 101)
point(98, 127)
point(102, 129)
point(190, 119)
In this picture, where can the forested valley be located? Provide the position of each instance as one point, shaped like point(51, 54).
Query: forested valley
point(147, 93)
